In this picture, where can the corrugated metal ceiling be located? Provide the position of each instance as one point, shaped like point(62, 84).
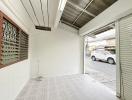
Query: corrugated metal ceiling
point(79, 12)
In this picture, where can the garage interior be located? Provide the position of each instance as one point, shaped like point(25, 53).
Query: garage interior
point(42, 49)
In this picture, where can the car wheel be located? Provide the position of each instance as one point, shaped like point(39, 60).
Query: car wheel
point(111, 61)
point(93, 58)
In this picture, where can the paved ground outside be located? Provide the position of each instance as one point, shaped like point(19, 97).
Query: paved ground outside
point(101, 71)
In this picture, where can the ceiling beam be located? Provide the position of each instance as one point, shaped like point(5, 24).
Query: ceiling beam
point(81, 9)
point(102, 29)
point(67, 23)
point(61, 6)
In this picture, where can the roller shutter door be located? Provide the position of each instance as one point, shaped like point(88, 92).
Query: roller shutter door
point(125, 50)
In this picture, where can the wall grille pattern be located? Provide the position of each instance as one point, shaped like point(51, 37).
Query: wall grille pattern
point(13, 42)
point(10, 43)
point(23, 45)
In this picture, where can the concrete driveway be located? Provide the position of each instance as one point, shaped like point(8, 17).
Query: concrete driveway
point(101, 71)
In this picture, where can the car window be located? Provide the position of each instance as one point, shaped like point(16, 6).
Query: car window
point(100, 51)
point(113, 51)
point(106, 52)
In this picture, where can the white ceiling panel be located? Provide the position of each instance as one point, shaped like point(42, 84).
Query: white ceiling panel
point(28, 16)
point(29, 10)
point(37, 8)
point(49, 12)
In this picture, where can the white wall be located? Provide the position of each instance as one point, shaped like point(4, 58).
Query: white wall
point(59, 52)
point(108, 16)
point(13, 77)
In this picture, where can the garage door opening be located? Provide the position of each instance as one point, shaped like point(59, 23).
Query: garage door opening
point(100, 57)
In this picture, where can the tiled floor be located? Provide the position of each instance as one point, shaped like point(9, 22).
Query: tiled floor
point(74, 87)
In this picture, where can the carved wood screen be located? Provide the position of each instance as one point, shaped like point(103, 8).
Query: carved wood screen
point(13, 42)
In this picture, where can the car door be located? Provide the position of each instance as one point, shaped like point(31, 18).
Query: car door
point(97, 54)
point(101, 54)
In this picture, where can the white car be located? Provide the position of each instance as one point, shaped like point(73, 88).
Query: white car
point(104, 56)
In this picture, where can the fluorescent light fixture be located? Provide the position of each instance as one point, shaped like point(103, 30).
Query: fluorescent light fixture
point(62, 4)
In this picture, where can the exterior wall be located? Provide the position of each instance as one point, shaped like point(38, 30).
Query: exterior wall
point(111, 42)
point(59, 52)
